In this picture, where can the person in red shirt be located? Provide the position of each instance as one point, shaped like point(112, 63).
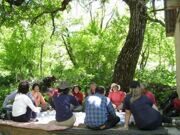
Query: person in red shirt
point(148, 94)
point(76, 91)
point(116, 96)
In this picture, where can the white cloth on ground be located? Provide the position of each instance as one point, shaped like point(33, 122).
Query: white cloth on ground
point(46, 117)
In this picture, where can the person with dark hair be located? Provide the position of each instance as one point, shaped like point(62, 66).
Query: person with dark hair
point(38, 98)
point(76, 91)
point(145, 113)
point(62, 102)
point(47, 83)
point(23, 105)
point(100, 113)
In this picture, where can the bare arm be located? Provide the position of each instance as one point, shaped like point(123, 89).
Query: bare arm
point(155, 107)
point(127, 118)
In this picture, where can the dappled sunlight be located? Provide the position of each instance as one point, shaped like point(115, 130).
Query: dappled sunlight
point(95, 101)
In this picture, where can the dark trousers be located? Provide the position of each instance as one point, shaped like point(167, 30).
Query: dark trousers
point(111, 122)
point(166, 119)
point(158, 123)
point(25, 117)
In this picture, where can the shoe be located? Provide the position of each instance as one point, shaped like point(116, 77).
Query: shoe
point(34, 120)
point(102, 127)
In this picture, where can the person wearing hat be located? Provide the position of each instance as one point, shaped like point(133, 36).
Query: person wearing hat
point(63, 102)
point(146, 116)
point(116, 96)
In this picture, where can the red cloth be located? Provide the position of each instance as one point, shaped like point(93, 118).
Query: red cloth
point(117, 97)
point(79, 97)
point(151, 96)
point(176, 103)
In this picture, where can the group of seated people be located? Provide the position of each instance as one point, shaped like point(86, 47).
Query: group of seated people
point(100, 110)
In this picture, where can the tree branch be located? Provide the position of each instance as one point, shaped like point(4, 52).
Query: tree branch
point(62, 8)
point(156, 20)
point(109, 20)
point(69, 50)
point(53, 24)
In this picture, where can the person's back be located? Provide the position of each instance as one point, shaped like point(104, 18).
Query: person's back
point(99, 111)
point(96, 107)
point(62, 102)
point(145, 116)
point(62, 106)
point(23, 106)
point(21, 103)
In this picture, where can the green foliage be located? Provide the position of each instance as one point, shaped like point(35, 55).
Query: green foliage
point(159, 75)
point(160, 81)
point(95, 51)
point(18, 53)
point(4, 92)
point(27, 50)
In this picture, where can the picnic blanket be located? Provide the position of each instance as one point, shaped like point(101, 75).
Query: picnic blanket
point(45, 118)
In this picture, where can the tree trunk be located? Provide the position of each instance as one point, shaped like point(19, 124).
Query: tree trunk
point(177, 45)
point(127, 60)
point(41, 60)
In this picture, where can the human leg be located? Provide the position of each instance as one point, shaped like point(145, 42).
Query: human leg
point(112, 121)
point(69, 123)
point(25, 117)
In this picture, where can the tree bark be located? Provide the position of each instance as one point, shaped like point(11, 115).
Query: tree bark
point(69, 50)
point(127, 60)
point(177, 45)
point(41, 60)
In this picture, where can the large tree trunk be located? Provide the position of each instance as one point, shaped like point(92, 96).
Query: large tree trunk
point(41, 60)
point(177, 42)
point(127, 60)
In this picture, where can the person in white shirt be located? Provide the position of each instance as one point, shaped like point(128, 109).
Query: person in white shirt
point(23, 105)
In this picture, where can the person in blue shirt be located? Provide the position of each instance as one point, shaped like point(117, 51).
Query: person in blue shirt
point(7, 104)
point(100, 113)
point(63, 102)
point(146, 114)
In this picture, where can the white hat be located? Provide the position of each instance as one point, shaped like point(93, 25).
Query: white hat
point(115, 85)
